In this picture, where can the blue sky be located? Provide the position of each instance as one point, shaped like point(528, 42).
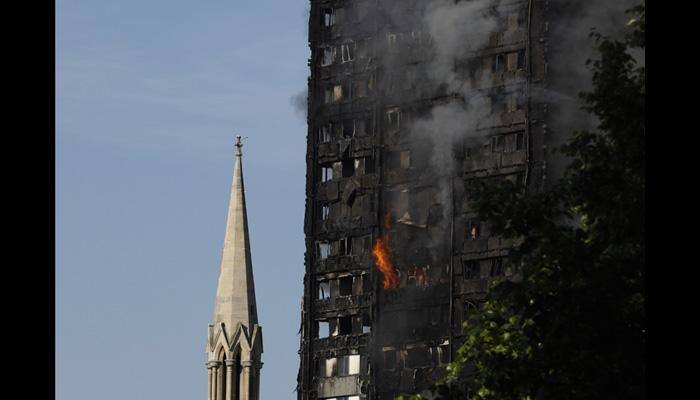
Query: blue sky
point(149, 97)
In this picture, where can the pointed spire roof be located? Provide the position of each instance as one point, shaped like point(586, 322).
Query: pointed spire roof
point(235, 294)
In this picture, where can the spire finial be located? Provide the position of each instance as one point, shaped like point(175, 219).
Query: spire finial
point(239, 145)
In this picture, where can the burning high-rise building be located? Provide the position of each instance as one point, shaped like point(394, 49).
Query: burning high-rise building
point(409, 102)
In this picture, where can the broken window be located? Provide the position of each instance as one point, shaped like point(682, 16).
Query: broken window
point(349, 365)
point(324, 250)
point(328, 17)
point(359, 88)
point(393, 118)
point(359, 167)
point(328, 95)
point(368, 165)
point(417, 37)
point(468, 153)
point(512, 61)
point(389, 359)
point(498, 143)
point(326, 174)
point(366, 323)
point(337, 93)
point(323, 331)
point(440, 354)
point(405, 157)
point(498, 64)
point(468, 308)
point(521, 60)
point(345, 246)
point(416, 357)
point(348, 167)
point(348, 128)
point(329, 367)
point(348, 51)
point(519, 140)
point(366, 284)
point(344, 326)
point(328, 56)
point(324, 134)
point(333, 326)
point(360, 127)
point(444, 348)
point(498, 103)
point(497, 267)
point(470, 269)
point(357, 285)
point(364, 165)
point(391, 39)
point(514, 101)
point(366, 244)
point(474, 229)
point(515, 60)
point(345, 286)
point(324, 290)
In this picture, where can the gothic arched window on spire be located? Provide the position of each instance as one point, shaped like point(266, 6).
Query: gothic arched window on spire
point(221, 378)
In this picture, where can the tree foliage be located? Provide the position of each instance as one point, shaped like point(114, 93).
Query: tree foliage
point(573, 325)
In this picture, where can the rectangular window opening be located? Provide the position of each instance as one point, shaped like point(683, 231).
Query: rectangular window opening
point(497, 267)
point(470, 269)
point(324, 290)
point(344, 325)
point(325, 212)
point(324, 250)
point(345, 284)
point(326, 173)
point(328, 17)
point(366, 323)
point(323, 329)
point(389, 359)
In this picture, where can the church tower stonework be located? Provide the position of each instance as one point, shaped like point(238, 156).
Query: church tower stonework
point(234, 341)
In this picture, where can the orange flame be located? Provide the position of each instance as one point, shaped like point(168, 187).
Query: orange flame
point(382, 257)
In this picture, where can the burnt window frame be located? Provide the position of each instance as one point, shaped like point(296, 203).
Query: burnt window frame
point(390, 364)
point(344, 325)
point(345, 285)
point(319, 252)
point(520, 63)
point(328, 17)
point(497, 267)
point(470, 269)
point(347, 49)
point(324, 133)
point(328, 55)
point(327, 325)
point(326, 173)
point(498, 63)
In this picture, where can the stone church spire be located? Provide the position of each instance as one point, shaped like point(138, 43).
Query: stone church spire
point(235, 295)
point(234, 341)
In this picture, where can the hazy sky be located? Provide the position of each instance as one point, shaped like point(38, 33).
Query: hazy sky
point(150, 94)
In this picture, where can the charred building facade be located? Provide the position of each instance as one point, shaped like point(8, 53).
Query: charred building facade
point(409, 102)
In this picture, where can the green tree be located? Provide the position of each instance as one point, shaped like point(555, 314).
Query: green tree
point(572, 326)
